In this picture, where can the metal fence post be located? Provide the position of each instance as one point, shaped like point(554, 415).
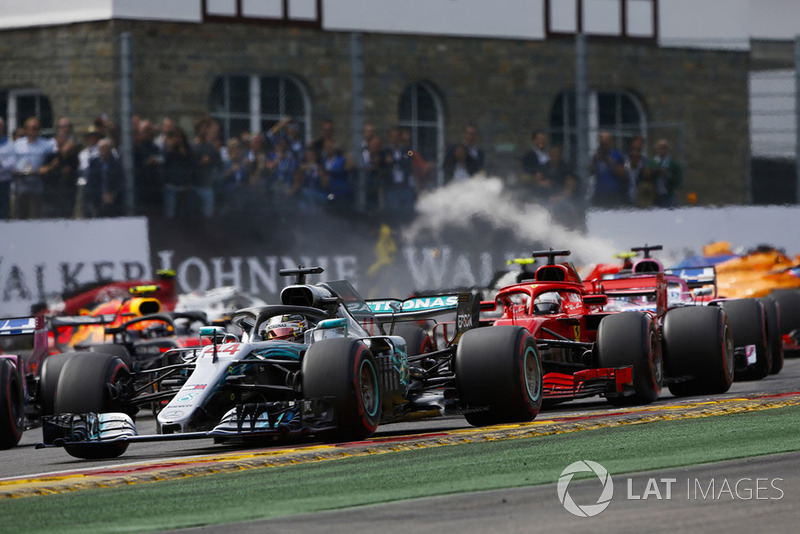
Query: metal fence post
point(797, 118)
point(582, 115)
point(126, 134)
point(357, 116)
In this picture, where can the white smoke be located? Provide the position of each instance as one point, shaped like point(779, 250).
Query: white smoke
point(456, 204)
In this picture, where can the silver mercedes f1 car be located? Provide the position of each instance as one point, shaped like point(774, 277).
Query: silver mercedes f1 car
point(324, 363)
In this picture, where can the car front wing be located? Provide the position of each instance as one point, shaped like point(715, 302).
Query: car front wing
point(604, 381)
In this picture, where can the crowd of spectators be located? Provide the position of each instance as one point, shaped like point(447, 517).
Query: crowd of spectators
point(176, 174)
point(633, 180)
point(60, 176)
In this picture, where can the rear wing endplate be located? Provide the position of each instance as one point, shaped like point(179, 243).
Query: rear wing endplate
point(18, 326)
point(696, 276)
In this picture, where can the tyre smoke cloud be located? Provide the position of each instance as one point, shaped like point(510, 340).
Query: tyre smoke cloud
point(458, 206)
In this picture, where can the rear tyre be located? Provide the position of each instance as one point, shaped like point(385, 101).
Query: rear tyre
point(749, 327)
point(789, 304)
point(345, 369)
point(119, 351)
point(417, 339)
point(88, 383)
point(772, 313)
point(12, 405)
point(498, 375)
point(631, 338)
point(48, 380)
point(698, 350)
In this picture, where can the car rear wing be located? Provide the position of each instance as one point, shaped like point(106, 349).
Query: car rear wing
point(465, 306)
point(32, 326)
point(634, 286)
point(421, 306)
point(697, 277)
point(81, 320)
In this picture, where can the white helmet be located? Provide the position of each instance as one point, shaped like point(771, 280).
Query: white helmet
point(546, 303)
point(287, 327)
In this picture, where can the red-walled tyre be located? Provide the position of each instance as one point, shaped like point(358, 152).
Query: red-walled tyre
point(12, 405)
point(774, 339)
point(48, 380)
point(749, 325)
point(789, 304)
point(698, 350)
point(345, 369)
point(417, 339)
point(631, 338)
point(498, 375)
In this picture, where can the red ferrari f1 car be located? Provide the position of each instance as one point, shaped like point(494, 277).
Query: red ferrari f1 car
point(625, 356)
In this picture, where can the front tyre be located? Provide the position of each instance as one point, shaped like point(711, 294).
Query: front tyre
point(48, 380)
point(631, 338)
point(772, 313)
point(345, 369)
point(12, 405)
point(91, 382)
point(698, 350)
point(749, 327)
point(498, 375)
point(789, 304)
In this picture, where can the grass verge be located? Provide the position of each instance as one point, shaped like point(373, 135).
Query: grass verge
point(280, 491)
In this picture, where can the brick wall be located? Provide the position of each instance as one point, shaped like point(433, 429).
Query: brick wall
point(504, 87)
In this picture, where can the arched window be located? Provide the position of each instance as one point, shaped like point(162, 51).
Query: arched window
point(621, 113)
point(19, 104)
point(420, 111)
point(255, 103)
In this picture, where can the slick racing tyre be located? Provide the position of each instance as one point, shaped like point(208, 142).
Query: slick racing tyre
point(48, 380)
point(115, 350)
point(698, 350)
point(748, 323)
point(789, 305)
point(498, 375)
point(90, 382)
point(12, 405)
point(772, 313)
point(417, 340)
point(344, 369)
point(631, 338)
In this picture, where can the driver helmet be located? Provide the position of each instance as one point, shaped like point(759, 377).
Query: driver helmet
point(547, 303)
point(286, 327)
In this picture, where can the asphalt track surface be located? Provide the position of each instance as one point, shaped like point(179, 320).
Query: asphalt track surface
point(516, 510)
point(693, 506)
point(25, 460)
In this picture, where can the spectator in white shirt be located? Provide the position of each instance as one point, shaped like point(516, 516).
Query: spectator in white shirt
point(30, 151)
